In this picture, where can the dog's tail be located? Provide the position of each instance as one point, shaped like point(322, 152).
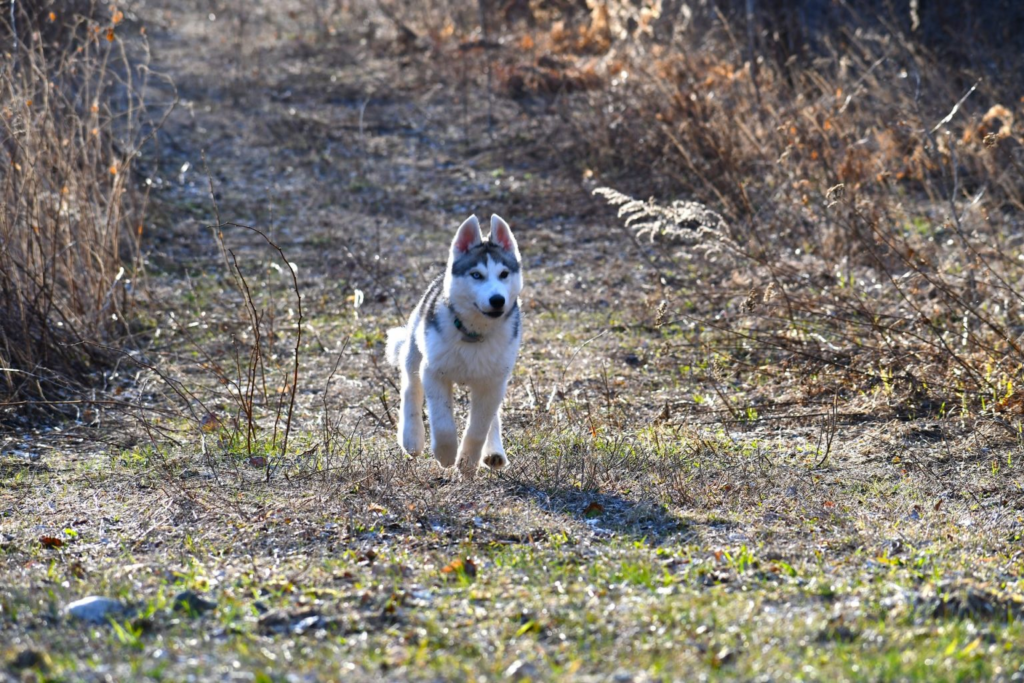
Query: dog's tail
point(397, 336)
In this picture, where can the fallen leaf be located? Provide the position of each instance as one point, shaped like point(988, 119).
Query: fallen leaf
point(529, 626)
point(457, 567)
point(971, 646)
point(51, 542)
point(210, 423)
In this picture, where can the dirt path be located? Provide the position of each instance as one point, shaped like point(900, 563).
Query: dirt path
point(359, 160)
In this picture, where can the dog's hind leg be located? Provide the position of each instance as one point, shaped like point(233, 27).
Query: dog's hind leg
point(444, 436)
point(483, 409)
point(495, 457)
point(411, 434)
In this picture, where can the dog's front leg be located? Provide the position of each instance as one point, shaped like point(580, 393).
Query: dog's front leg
point(495, 457)
point(483, 410)
point(444, 437)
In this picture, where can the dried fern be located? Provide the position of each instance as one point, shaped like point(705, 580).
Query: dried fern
point(685, 222)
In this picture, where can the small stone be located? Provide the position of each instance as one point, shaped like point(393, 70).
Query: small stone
point(306, 623)
point(193, 603)
point(274, 621)
point(95, 609)
point(724, 656)
point(521, 671)
point(30, 659)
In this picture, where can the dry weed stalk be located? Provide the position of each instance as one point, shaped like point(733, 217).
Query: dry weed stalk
point(691, 223)
point(250, 383)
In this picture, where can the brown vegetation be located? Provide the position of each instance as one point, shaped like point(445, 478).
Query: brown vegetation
point(871, 182)
point(71, 121)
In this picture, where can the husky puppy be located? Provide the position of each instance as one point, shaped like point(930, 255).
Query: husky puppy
point(466, 329)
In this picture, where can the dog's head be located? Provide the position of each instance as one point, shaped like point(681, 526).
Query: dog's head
point(484, 275)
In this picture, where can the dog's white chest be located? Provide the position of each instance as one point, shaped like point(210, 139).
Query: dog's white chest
point(489, 359)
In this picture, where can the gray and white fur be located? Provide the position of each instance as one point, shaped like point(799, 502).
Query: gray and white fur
point(465, 330)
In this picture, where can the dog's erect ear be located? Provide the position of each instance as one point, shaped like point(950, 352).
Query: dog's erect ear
point(501, 234)
point(467, 237)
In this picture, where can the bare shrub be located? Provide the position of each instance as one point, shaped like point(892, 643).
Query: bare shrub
point(72, 121)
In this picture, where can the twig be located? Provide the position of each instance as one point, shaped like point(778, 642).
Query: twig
point(561, 377)
point(83, 401)
point(298, 335)
point(255, 360)
point(828, 430)
point(752, 56)
point(955, 109)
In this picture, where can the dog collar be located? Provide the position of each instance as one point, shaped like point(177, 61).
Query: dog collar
point(471, 337)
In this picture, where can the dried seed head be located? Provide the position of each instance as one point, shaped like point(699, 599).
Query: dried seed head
point(659, 317)
point(751, 302)
point(835, 194)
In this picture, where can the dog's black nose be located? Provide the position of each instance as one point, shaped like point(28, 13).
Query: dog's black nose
point(497, 301)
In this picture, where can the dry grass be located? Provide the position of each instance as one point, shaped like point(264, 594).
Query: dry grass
point(72, 122)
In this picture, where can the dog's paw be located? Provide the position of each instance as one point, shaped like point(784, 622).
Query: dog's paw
point(446, 452)
point(411, 447)
point(496, 461)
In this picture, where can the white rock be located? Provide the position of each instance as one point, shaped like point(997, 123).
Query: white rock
point(95, 609)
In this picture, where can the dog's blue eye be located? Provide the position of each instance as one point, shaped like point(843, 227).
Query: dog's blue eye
point(504, 274)
point(477, 276)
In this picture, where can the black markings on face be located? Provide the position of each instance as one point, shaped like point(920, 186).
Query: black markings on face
point(477, 256)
